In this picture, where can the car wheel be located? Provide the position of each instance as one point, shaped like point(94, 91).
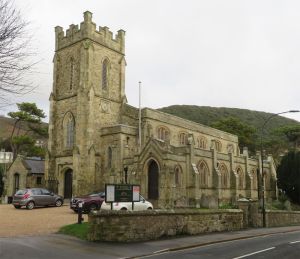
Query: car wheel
point(17, 206)
point(149, 208)
point(93, 207)
point(30, 205)
point(58, 203)
point(124, 209)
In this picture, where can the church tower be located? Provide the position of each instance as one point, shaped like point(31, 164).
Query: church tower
point(88, 92)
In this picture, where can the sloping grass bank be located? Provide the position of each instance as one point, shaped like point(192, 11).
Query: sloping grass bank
point(76, 230)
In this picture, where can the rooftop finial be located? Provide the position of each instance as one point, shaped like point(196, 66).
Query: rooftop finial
point(87, 16)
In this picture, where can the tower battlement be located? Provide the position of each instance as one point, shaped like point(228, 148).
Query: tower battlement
point(88, 30)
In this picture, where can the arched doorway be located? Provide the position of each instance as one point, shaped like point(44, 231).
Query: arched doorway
point(153, 180)
point(68, 184)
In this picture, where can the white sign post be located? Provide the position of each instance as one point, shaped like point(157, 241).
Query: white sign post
point(5, 158)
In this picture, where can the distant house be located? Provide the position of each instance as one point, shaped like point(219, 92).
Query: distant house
point(24, 173)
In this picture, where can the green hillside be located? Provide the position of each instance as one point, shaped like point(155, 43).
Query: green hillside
point(208, 115)
point(7, 124)
point(274, 143)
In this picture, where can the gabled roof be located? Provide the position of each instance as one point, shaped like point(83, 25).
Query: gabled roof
point(36, 166)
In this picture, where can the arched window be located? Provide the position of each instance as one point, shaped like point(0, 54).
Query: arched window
point(240, 174)
point(203, 174)
point(224, 176)
point(109, 157)
point(69, 125)
point(218, 145)
point(230, 148)
point(183, 138)
point(202, 142)
point(105, 74)
point(163, 133)
point(177, 176)
point(72, 73)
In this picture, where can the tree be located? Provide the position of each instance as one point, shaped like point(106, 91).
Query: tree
point(14, 53)
point(31, 116)
point(233, 125)
point(291, 132)
point(288, 175)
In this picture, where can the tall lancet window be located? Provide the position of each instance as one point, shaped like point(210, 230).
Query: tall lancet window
point(105, 74)
point(72, 73)
point(69, 131)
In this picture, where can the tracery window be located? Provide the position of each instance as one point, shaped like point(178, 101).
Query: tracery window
point(182, 138)
point(218, 145)
point(203, 174)
point(230, 148)
point(163, 133)
point(202, 142)
point(105, 74)
point(224, 176)
point(69, 133)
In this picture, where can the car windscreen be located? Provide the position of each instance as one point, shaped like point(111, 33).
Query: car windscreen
point(21, 192)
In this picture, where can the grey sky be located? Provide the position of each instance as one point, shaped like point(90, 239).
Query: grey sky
point(242, 54)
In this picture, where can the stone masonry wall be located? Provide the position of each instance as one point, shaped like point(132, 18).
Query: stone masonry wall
point(128, 226)
point(282, 218)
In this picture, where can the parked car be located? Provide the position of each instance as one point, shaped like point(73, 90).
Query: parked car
point(90, 202)
point(141, 205)
point(36, 197)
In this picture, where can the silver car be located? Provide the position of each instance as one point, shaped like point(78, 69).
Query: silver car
point(36, 197)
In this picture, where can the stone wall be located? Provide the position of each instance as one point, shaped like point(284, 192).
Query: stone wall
point(282, 218)
point(274, 218)
point(128, 226)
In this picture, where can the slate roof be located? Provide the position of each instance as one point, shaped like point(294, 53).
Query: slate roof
point(36, 166)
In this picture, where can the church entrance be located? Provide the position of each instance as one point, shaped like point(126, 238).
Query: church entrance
point(68, 184)
point(153, 180)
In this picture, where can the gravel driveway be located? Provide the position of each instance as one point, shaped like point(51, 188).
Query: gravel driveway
point(20, 222)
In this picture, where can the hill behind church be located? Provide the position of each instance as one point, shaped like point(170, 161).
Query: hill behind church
point(208, 115)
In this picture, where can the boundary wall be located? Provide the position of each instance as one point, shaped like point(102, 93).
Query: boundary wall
point(129, 226)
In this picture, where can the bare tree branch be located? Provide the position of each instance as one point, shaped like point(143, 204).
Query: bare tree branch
point(14, 54)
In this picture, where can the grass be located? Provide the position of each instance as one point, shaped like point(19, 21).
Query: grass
point(76, 230)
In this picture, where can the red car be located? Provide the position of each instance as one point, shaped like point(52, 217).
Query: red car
point(92, 201)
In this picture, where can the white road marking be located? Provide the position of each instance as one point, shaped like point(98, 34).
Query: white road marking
point(257, 252)
point(294, 242)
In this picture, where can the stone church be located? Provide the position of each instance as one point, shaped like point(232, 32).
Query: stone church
point(94, 134)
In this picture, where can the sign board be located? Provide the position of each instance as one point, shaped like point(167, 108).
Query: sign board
point(122, 193)
point(6, 157)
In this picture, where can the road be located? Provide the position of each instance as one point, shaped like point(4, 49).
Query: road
point(280, 245)
point(283, 246)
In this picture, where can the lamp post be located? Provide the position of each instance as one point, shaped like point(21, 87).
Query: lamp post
point(262, 163)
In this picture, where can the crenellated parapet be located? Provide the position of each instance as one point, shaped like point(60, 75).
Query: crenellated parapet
point(88, 30)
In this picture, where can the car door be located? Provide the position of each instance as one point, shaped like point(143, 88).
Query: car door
point(48, 199)
point(37, 197)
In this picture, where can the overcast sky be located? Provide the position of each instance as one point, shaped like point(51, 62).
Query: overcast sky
point(241, 54)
